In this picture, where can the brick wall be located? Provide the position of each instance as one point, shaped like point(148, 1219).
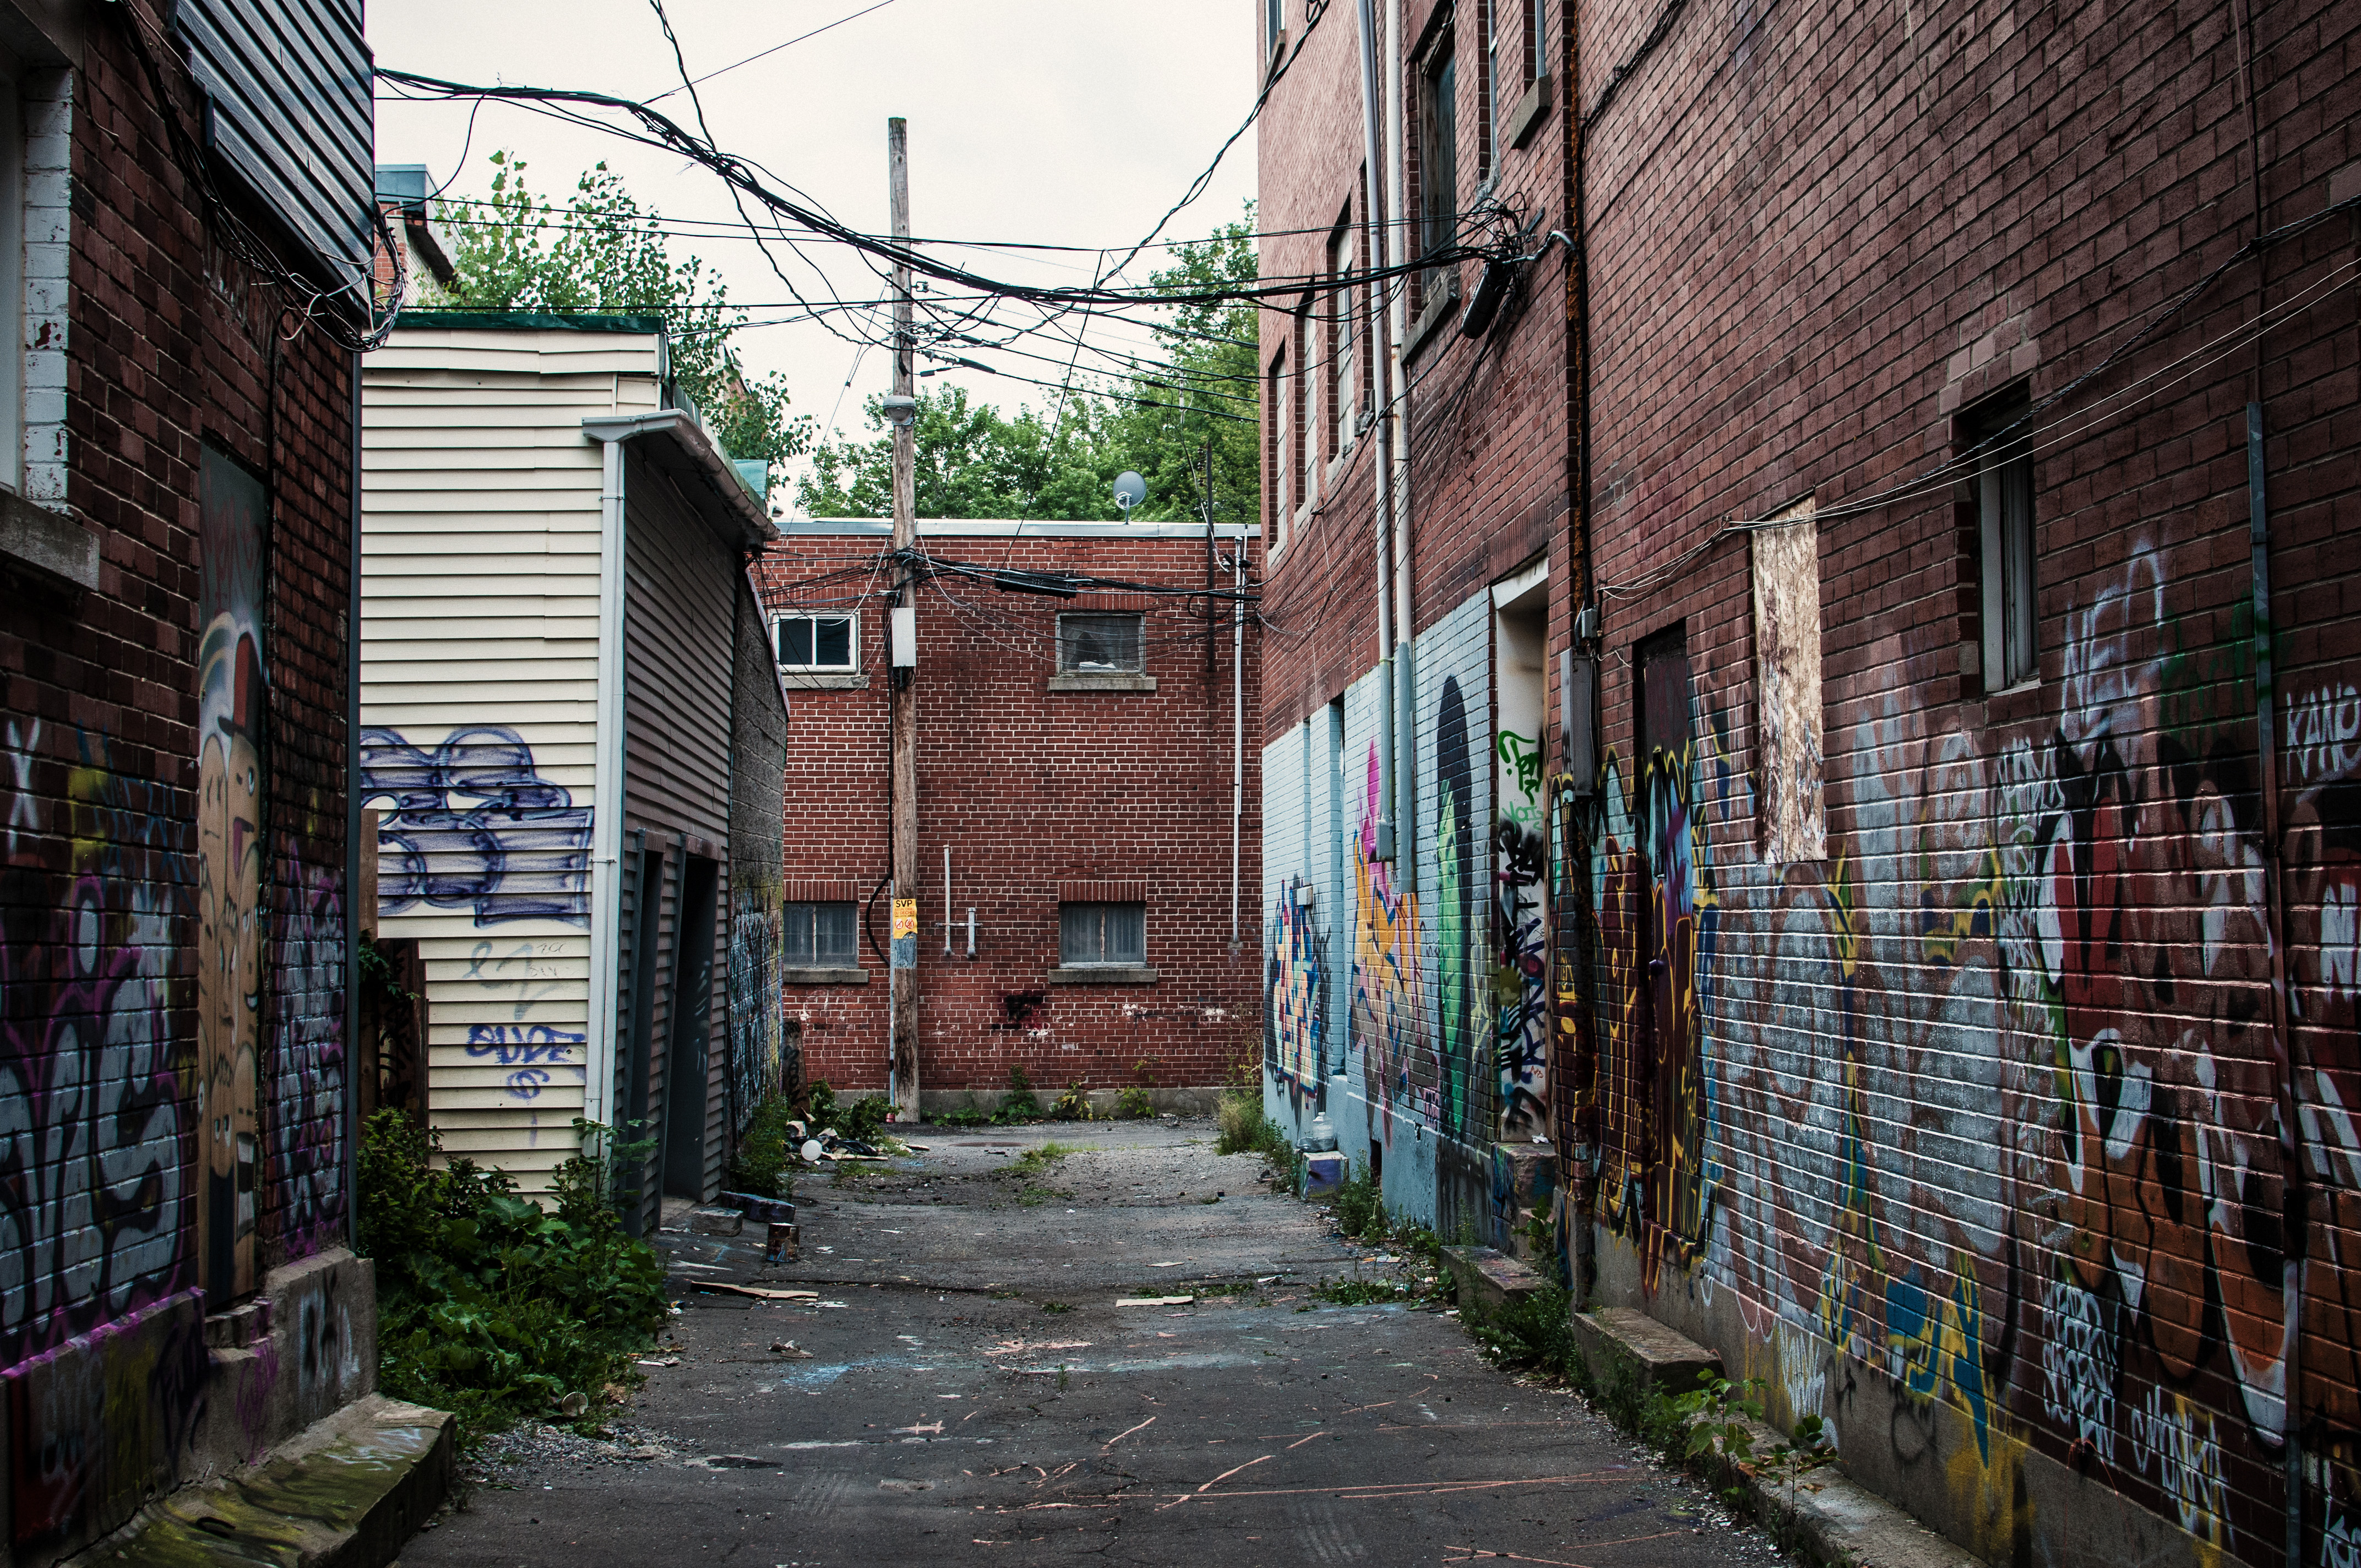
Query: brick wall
point(1968, 1135)
point(1032, 790)
point(166, 347)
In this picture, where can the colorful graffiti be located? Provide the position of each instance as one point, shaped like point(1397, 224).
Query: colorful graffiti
point(1296, 1005)
point(231, 697)
point(1390, 1023)
point(95, 1139)
point(474, 825)
point(1993, 1103)
point(308, 1110)
point(1463, 991)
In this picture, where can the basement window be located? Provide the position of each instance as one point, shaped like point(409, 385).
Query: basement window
point(1099, 645)
point(823, 936)
point(1098, 934)
point(816, 643)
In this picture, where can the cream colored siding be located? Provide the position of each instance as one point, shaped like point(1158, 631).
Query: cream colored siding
point(479, 611)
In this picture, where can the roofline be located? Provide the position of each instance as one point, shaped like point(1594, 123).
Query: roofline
point(689, 437)
point(529, 321)
point(1008, 528)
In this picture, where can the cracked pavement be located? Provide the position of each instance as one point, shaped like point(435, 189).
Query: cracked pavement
point(967, 1388)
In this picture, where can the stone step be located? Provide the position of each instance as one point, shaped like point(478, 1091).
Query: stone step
point(1661, 1357)
point(347, 1492)
point(1490, 1279)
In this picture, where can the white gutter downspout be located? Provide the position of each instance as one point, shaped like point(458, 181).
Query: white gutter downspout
point(607, 793)
point(1394, 328)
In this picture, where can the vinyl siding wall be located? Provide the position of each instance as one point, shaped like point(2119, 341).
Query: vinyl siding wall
point(680, 589)
point(480, 614)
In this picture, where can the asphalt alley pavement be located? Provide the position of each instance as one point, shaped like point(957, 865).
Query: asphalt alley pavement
point(967, 1389)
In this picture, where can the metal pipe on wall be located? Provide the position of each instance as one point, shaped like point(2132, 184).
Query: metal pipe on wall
point(355, 915)
point(606, 792)
point(1237, 720)
point(1388, 633)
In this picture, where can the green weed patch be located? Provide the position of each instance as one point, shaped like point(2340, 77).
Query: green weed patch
point(489, 1305)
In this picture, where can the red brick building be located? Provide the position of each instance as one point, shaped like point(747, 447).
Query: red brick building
point(1089, 841)
point(183, 288)
point(1951, 1011)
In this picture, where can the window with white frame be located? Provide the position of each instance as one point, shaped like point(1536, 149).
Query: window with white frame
point(818, 644)
point(1102, 934)
point(1343, 348)
point(1302, 410)
point(1099, 645)
point(823, 936)
point(1274, 23)
point(1282, 451)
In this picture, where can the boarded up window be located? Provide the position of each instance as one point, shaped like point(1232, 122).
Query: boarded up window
point(1789, 822)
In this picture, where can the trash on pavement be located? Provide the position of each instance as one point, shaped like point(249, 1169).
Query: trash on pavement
point(1154, 1300)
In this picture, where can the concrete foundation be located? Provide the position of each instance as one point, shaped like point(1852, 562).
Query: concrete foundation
point(111, 1421)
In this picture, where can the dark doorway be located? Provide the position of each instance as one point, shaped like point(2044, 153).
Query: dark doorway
point(687, 1057)
point(642, 946)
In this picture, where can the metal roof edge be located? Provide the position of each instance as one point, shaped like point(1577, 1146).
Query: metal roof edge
point(689, 437)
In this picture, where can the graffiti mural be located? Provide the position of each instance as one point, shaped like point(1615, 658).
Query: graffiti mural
point(1389, 1025)
point(1994, 1103)
point(96, 1136)
point(1462, 967)
point(230, 697)
point(474, 825)
point(538, 1002)
point(307, 1122)
point(1296, 1001)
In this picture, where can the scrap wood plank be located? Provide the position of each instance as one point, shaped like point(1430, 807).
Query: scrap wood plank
point(724, 1287)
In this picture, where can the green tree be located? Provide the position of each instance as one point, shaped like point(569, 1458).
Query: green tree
point(1213, 373)
point(602, 253)
point(1155, 418)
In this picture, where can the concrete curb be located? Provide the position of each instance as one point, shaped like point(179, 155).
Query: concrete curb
point(346, 1492)
point(1830, 1518)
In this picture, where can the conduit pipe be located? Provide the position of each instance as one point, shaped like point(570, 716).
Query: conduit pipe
point(1394, 414)
point(1388, 719)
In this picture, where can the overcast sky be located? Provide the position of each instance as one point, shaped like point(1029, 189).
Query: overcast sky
point(1070, 122)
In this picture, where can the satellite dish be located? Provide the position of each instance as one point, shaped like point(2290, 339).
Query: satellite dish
point(1130, 489)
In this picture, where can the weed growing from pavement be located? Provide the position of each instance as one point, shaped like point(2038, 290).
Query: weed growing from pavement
point(1057, 1306)
point(1364, 1292)
point(761, 1164)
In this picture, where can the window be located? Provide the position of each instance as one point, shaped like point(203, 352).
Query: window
point(1274, 22)
point(818, 642)
point(1301, 414)
point(823, 936)
point(1536, 43)
point(1102, 934)
point(1098, 644)
point(1487, 155)
point(1342, 347)
point(2005, 530)
point(1282, 451)
point(1438, 175)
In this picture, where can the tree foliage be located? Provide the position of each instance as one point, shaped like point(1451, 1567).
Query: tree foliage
point(603, 253)
point(1060, 465)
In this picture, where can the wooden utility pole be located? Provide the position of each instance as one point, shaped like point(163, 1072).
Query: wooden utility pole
point(903, 673)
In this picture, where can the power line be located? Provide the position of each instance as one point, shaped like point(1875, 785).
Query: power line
point(768, 52)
